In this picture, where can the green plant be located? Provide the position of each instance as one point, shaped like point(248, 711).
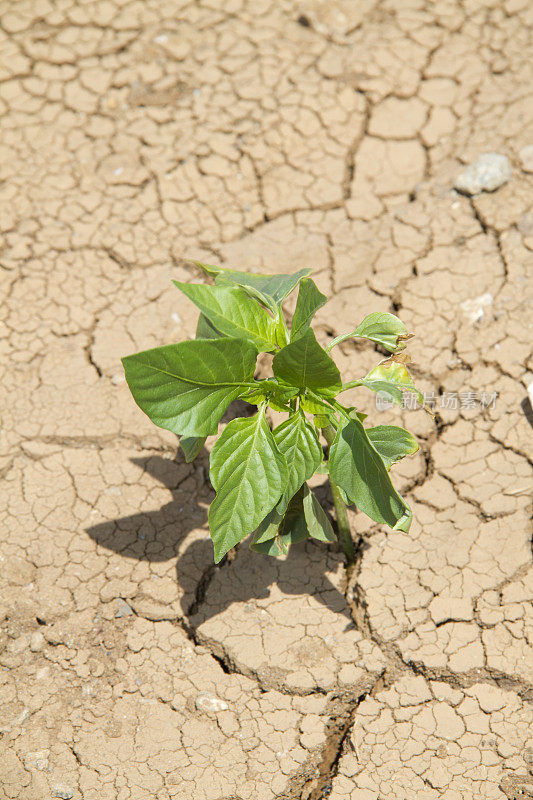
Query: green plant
point(260, 475)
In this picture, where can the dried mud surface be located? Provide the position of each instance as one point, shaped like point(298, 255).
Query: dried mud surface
point(271, 135)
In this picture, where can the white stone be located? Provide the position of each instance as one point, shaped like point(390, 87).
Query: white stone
point(62, 790)
point(486, 174)
point(37, 759)
point(210, 703)
point(475, 307)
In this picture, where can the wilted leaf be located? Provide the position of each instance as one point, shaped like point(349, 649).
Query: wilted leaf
point(391, 379)
point(380, 327)
point(385, 329)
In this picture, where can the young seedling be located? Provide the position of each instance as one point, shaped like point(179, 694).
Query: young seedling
point(260, 475)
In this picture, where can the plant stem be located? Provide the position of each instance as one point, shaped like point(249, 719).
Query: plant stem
point(337, 340)
point(343, 523)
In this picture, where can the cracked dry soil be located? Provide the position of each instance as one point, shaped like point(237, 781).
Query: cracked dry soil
point(275, 135)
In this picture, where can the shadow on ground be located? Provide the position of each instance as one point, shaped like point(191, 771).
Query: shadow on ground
point(159, 535)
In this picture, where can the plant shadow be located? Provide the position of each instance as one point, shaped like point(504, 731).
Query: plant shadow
point(160, 535)
point(155, 535)
point(255, 577)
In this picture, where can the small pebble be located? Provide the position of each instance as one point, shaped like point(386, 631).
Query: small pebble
point(62, 790)
point(474, 309)
point(486, 174)
point(123, 610)
point(210, 703)
point(39, 759)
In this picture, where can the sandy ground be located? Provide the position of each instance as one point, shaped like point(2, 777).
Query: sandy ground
point(272, 135)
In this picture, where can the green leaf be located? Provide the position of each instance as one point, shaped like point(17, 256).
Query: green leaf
point(268, 527)
point(271, 290)
point(304, 517)
point(232, 312)
point(249, 474)
point(357, 468)
point(316, 406)
point(318, 524)
point(280, 544)
point(392, 380)
point(276, 546)
point(186, 387)
point(385, 329)
point(298, 442)
point(306, 365)
point(209, 269)
point(321, 420)
point(205, 330)
point(392, 443)
point(310, 299)
point(289, 529)
point(381, 327)
point(191, 446)
point(275, 395)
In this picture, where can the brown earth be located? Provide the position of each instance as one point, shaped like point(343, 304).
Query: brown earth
point(269, 135)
